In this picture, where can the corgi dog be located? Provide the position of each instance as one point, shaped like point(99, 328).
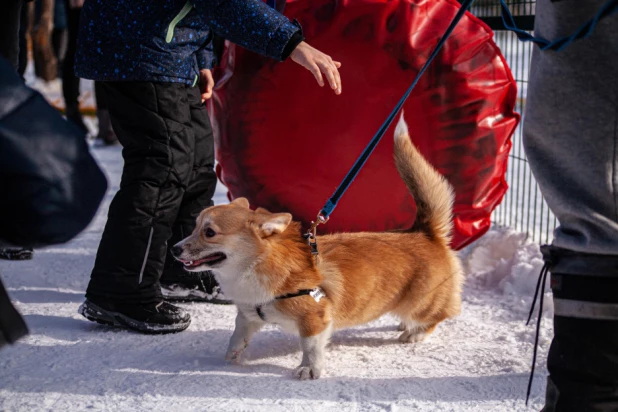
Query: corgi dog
point(263, 264)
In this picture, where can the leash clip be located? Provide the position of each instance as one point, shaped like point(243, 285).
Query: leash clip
point(311, 236)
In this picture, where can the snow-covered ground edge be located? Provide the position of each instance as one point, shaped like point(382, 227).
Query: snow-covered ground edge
point(479, 361)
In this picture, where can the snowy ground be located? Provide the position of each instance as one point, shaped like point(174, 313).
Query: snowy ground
point(477, 362)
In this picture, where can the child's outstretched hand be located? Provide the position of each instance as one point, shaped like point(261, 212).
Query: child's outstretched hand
point(206, 84)
point(317, 63)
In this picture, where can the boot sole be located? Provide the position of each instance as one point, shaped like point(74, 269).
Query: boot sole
point(18, 255)
point(96, 314)
point(188, 299)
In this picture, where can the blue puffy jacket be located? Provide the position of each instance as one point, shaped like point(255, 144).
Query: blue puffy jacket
point(170, 40)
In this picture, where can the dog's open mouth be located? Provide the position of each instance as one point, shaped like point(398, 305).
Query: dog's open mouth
point(210, 260)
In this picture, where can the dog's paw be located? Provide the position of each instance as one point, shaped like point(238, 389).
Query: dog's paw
point(234, 356)
point(308, 372)
point(412, 336)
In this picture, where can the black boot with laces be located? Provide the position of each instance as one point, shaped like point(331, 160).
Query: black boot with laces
point(152, 318)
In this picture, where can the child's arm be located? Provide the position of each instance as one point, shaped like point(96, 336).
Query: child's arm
point(249, 23)
point(259, 28)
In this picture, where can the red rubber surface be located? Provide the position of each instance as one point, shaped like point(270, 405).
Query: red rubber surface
point(285, 143)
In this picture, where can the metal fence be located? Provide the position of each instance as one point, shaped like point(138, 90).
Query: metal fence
point(523, 207)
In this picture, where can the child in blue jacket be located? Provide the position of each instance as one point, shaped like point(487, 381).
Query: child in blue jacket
point(153, 61)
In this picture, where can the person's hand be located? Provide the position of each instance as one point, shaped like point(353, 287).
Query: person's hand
point(317, 63)
point(206, 84)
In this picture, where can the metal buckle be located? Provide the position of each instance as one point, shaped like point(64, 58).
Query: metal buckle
point(311, 233)
point(317, 294)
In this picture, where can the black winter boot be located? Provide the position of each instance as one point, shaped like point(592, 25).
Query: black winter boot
point(8, 253)
point(583, 357)
point(12, 325)
point(181, 286)
point(152, 318)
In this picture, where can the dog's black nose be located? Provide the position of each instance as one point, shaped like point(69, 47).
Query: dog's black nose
point(176, 251)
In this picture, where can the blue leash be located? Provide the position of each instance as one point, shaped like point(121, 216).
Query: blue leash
point(557, 45)
point(360, 162)
point(609, 8)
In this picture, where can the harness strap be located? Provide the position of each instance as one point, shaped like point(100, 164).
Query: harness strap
point(260, 313)
point(316, 294)
point(301, 292)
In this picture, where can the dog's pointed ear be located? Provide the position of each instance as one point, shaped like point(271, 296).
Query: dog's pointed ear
point(242, 202)
point(275, 223)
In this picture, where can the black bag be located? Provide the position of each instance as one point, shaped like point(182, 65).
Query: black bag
point(50, 185)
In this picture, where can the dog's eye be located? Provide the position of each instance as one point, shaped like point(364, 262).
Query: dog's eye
point(210, 233)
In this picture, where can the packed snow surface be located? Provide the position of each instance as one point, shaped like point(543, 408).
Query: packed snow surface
point(479, 361)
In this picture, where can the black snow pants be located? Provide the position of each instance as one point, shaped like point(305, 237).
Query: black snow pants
point(10, 12)
point(167, 180)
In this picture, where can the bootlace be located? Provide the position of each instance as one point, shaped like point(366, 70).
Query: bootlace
point(540, 288)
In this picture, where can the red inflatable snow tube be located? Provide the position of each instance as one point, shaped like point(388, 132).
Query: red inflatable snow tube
point(285, 144)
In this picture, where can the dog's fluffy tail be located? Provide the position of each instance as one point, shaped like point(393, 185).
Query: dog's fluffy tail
point(432, 193)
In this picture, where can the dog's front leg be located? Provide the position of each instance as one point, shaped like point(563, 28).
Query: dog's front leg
point(244, 330)
point(313, 348)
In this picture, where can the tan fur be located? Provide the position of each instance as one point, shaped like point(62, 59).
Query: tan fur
point(413, 274)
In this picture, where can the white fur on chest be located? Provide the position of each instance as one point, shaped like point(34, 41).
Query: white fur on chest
point(242, 287)
point(271, 316)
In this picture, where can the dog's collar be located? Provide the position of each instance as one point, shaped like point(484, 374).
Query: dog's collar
point(315, 293)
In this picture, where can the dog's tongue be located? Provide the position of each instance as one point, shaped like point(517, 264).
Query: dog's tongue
point(195, 262)
point(204, 260)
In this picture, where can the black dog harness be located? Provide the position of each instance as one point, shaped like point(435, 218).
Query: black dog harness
point(316, 294)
